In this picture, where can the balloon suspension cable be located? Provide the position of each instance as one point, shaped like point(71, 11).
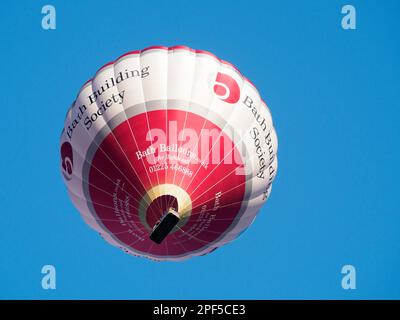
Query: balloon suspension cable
point(165, 225)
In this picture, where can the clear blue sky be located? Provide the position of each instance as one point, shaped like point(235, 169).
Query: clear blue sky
point(334, 95)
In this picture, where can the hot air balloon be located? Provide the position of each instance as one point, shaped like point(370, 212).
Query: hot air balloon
point(168, 152)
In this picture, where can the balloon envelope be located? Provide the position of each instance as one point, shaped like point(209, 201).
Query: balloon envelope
point(170, 139)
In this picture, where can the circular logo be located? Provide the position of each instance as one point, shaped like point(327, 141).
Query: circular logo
point(226, 88)
point(67, 160)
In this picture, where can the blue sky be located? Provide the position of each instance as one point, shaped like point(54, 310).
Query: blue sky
point(334, 99)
